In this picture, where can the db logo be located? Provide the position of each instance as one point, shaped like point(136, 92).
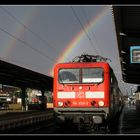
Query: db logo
point(80, 95)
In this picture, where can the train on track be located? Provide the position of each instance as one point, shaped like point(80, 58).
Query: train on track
point(86, 92)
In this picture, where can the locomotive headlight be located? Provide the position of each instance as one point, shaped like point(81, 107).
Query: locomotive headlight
point(101, 103)
point(60, 103)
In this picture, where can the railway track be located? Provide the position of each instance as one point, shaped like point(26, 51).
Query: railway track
point(43, 123)
point(24, 120)
point(67, 129)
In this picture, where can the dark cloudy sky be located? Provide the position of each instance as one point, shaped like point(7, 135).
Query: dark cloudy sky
point(38, 37)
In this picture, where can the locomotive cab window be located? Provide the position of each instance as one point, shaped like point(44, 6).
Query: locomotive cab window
point(86, 75)
point(92, 75)
point(68, 76)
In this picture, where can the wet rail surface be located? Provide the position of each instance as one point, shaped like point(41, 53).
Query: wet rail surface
point(129, 120)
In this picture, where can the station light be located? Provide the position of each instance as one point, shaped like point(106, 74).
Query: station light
point(123, 62)
point(123, 52)
point(122, 34)
point(124, 73)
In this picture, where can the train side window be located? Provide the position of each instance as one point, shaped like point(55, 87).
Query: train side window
point(111, 77)
point(111, 80)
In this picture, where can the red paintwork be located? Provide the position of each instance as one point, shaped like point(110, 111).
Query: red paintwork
point(83, 102)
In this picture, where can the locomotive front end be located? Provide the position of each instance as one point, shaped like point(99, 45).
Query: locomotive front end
point(81, 92)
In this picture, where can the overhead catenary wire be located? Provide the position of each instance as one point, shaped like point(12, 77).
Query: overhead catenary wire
point(34, 33)
point(94, 37)
point(27, 45)
point(78, 19)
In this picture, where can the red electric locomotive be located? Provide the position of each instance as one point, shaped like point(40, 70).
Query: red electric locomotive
point(85, 91)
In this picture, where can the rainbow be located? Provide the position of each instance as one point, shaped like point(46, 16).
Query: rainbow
point(19, 32)
point(78, 38)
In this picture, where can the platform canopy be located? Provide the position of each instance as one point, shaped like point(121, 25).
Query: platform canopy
point(14, 75)
point(127, 22)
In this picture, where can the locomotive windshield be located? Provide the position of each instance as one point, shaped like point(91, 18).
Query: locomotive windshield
point(69, 76)
point(84, 75)
point(92, 75)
